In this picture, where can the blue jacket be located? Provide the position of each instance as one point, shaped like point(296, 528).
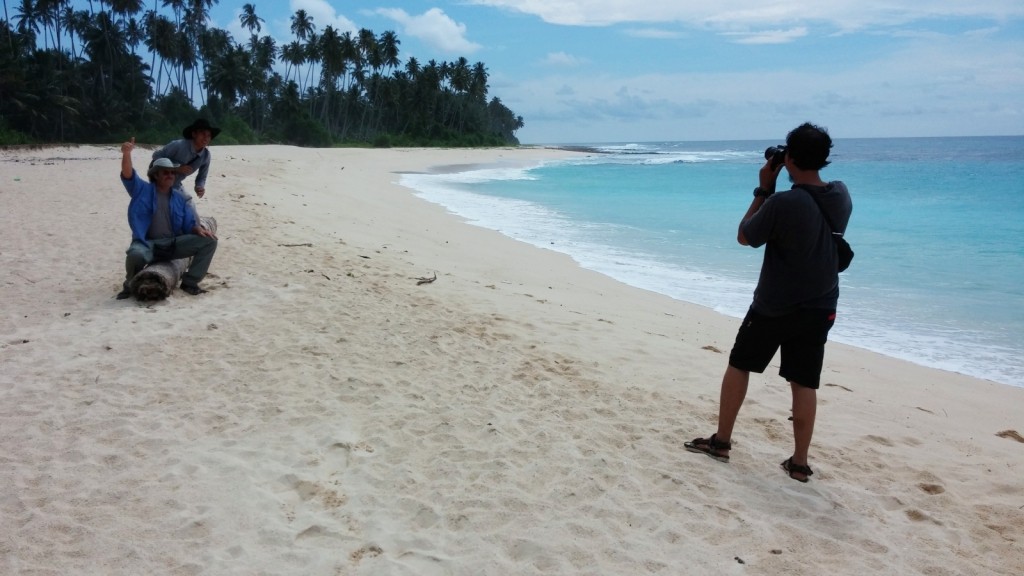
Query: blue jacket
point(143, 203)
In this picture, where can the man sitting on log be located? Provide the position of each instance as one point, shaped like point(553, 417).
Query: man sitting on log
point(163, 228)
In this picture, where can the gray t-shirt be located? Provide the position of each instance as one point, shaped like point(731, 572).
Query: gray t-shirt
point(161, 224)
point(799, 269)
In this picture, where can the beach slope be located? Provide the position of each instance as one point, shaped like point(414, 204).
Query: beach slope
point(324, 411)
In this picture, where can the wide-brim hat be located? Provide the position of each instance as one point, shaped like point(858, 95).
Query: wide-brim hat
point(200, 124)
point(159, 163)
point(163, 163)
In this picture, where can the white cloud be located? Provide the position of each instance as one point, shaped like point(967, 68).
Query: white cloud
point(323, 15)
point(434, 28)
point(561, 59)
point(771, 36)
point(654, 33)
point(968, 88)
point(743, 14)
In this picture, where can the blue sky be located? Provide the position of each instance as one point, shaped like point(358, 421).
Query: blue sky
point(588, 71)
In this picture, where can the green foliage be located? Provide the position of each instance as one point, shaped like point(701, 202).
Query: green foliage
point(142, 74)
point(10, 137)
point(176, 110)
point(234, 130)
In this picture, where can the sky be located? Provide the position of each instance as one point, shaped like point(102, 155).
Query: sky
point(596, 71)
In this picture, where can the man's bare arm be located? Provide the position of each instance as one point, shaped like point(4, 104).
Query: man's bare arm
point(126, 158)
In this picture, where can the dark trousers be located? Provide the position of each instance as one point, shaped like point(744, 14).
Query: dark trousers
point(199, 248)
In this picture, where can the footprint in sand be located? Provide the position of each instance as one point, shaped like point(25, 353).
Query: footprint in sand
point(1012, 434)
point(367, 551)
point(932, 488)
point(879, 440)
point(919, 516)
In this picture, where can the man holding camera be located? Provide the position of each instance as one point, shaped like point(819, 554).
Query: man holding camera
point(795, 300)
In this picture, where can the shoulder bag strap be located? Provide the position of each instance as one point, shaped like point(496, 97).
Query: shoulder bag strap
point(828, 220)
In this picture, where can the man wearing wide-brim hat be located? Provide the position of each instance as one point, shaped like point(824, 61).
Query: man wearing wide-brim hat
point(192, 154)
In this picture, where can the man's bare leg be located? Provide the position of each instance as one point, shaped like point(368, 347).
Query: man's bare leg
point(805, 408)
point(734, 391)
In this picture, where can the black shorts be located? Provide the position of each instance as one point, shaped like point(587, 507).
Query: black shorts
point(801, 335)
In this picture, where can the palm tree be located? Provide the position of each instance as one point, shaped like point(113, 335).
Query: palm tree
point(367, 54)
point(250, 20)
point(302, 25)
point(478, 82)
point(186, 56)
point(28, 20)
point(195, 31)
point(389, 43)
point(214, 43)
point(254, 24)
point(333, 65)
point(459, 79)
point(350, 53)
point(384, 52)
point(75, 22)
point(201, 8)
point(161, 40)
point(125, 8)
point(363, 91)
point(50, 11)
point(134, 33)
point(503, 122)
point(266, 80)
point(313, 54)
point(230, 74)
point(412, 68)
point(293, 55)
point(107, 48)
point(265, 50)
point(303, 29)
point(369, 51)
point(7, 20)
point(177, 6)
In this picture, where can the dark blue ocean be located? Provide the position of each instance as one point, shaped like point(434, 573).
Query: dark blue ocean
point(937, 226)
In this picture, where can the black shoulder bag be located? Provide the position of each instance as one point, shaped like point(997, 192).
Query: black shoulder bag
point(843, 248)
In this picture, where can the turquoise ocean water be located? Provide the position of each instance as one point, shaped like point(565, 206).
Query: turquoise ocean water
point(937, 226)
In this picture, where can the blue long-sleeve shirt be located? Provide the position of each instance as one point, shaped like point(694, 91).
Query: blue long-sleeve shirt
point(182, 152)
point(143, 203)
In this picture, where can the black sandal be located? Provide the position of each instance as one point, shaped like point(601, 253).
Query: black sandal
point(193, 290)
point(792, 468)
point(710, 446)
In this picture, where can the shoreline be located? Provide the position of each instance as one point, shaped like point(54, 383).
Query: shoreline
point(933, 359)
point(318, 411)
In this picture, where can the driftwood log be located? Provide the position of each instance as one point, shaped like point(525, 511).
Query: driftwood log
point(157, 281)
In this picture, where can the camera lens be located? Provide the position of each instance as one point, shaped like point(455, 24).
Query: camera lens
point(776, 155)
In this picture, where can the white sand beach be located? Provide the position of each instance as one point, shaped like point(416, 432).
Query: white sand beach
point(318, 412)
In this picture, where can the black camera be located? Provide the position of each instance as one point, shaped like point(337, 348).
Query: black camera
point(775, 155)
